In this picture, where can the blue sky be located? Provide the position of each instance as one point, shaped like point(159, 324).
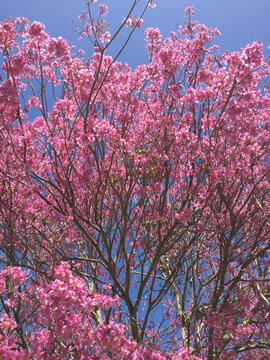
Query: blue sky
point(240, 21)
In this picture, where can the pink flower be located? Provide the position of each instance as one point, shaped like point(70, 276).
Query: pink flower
point(2, 285)
point(134, 22)
point(151, 3)
point(184, 216)
point(18, 62)
point(35, 29)
point(59, 47)
point(153, 35)
point(15, 274)
point(103, 9)
point(189, 10)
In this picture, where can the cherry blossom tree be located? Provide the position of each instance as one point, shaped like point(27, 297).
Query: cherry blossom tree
point(134, 203)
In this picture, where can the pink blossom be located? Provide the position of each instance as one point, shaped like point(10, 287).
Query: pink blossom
point(103, 9)
point(59, 47)
point(35, 29)
point(151, 3)
point(15, 274)
point(153, 34)
point(133, 22)
point(189, 10)
point(184, 216)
